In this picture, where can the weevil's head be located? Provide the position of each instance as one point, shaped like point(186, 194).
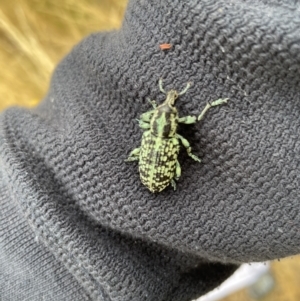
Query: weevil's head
point(165, 118)
point(171, 97)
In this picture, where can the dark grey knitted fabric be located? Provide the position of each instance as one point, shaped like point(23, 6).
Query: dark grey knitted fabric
point(76, 222)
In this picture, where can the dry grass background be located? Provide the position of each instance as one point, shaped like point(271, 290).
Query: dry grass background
point(36, 34)
point(286, 274)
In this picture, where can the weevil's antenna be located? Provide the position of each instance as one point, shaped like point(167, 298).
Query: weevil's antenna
point(185, 89)
point(161, 87)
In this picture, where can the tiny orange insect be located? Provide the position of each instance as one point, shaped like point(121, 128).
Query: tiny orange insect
point(165, 46)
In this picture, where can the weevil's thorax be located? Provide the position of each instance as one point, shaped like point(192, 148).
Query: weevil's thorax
point(165, 118)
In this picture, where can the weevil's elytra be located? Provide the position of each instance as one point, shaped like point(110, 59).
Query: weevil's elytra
point(158, 153)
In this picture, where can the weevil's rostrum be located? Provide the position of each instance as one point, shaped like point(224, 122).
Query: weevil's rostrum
point(158, 153)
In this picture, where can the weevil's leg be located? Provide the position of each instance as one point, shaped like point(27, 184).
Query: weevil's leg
point(187, 119)
point(173, 183)
point(144, 125)
point(160, 83)
point(178, 171)
point(188, 85)
point(146, 117)
point(186, 144)
point(134, 155)
point(212, 104)
point(152, 102)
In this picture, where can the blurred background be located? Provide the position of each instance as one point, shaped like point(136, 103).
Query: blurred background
point(35, 35)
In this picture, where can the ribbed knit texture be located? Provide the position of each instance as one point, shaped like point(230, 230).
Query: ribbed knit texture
point(77, 224)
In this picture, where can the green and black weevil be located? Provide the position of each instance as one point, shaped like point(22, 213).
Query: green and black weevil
point(158, 153)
